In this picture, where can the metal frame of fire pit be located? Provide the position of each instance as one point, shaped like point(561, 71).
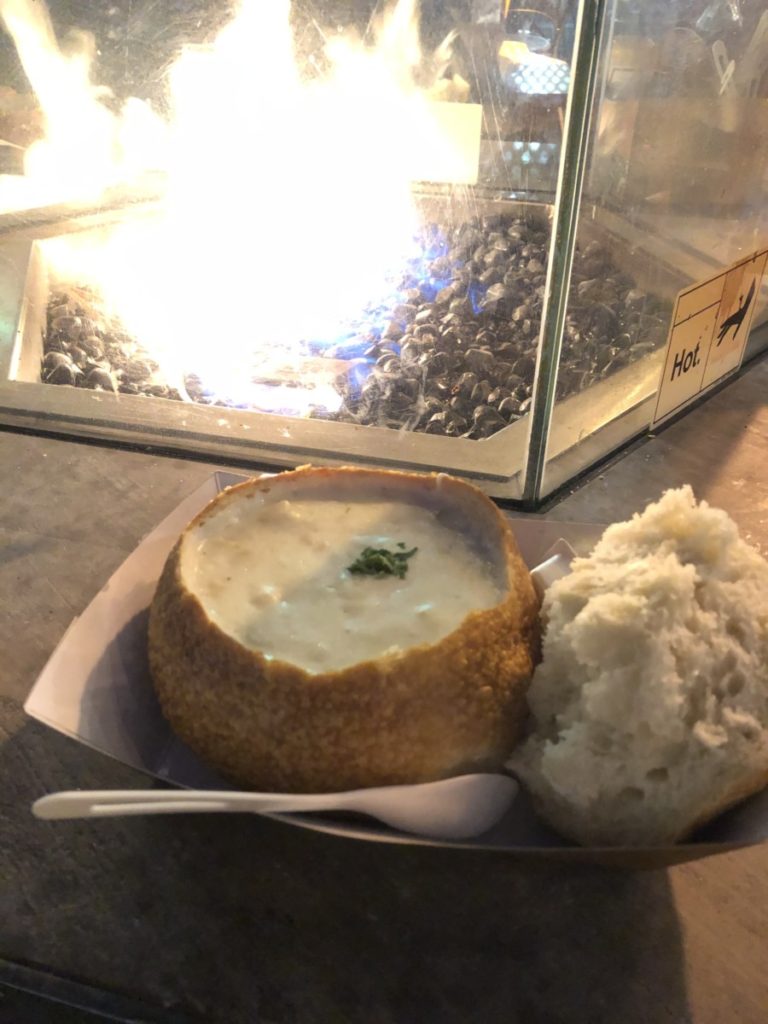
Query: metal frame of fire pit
point(603, 416)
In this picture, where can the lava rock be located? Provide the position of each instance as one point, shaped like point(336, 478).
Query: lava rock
point(404, 313)
point(489, 276)
point(525, 367)
point(601, 318)
point(79, 357)
point(449, 340)
point(635, 299)
point(461, 307)
point(494, 258)
point(592, 267)
point(137, 370)
point(64, 373)
point(410, 352)
point(92, 345)
point(509, 408)
point(428, 330)
point(461, 405)
point(595, 249)
point(590, 290)
point(102, 379)
point(54, 359)
point(642, 348)
point(496, 396)
point(453, 352)
point(438, 423)
point(436, 363)
point(55, 311)
point(440, 268)
point(479, 360)
point(487, 420)
point(393, 331)
point(481, 391)
point(602, 358)
point(465, 383)
point(426, 315)
point(507, 351)
point(496, 299)
point(388, 363)
point(70, 325)
point(503, 371)
point(438, 387)
point(486, 338)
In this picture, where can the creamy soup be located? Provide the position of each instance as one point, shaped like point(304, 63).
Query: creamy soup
point(276, 576)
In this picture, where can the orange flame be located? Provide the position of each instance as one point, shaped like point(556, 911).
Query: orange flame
point(287, 203)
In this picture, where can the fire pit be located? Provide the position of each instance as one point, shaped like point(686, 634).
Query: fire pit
point(280, 296)
point(451, 353)
point(264, 288)
point(439, 377)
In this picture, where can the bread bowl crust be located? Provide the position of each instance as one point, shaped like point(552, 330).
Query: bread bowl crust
point(430, 712)
point(662, 829)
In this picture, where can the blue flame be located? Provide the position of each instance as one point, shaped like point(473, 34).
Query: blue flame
point(362, 332)
point(358, 375)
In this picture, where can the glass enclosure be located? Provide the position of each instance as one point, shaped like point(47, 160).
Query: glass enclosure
point(437, 235)
point(677, 171)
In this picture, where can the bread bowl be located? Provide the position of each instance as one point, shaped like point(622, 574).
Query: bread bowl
point(284, 670)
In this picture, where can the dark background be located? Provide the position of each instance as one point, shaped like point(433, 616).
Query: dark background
point(136, 40)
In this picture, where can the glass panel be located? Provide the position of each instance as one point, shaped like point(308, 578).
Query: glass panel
point(278, 232)
point(676, 189)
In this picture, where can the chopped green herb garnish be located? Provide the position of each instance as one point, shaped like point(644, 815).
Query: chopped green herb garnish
point(381, 562)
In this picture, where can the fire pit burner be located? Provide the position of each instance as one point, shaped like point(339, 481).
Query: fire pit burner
point(87, 348)
point(453, 353)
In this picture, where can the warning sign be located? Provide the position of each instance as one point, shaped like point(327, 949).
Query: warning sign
point(709, 332)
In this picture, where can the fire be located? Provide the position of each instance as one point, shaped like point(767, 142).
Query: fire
point(287, 199)
point(86, 148)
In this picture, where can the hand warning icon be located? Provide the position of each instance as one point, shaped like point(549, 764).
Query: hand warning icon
point(736, 319)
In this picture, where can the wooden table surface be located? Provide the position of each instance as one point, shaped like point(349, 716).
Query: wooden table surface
point(194, 919)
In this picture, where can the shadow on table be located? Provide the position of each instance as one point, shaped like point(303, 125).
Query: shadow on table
point(346, 931)
point(236, 919)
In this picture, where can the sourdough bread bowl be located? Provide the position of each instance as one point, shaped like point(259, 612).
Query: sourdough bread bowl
point(329, 629)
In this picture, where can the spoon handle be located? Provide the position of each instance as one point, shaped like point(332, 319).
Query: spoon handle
point(113, 803)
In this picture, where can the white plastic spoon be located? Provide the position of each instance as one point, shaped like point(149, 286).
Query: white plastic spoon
point(455, 808)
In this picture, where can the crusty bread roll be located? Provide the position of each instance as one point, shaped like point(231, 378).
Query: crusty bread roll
point(650, 706)
point(286, 668)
